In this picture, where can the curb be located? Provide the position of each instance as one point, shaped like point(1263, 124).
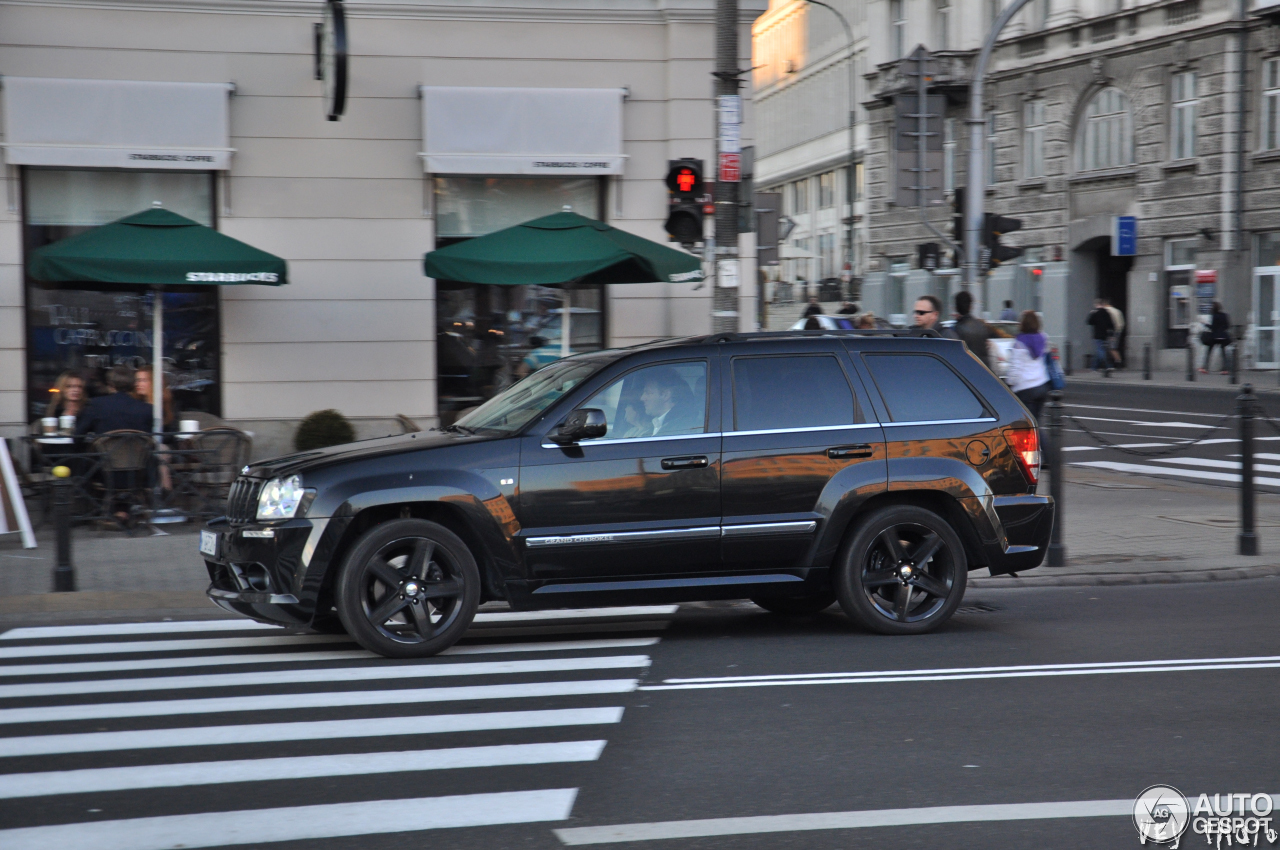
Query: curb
point(1111, 579)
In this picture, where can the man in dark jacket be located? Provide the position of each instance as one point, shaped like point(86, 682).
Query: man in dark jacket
point(1219, 334)
point(970, 329)
point(1103, 327)
point(119, 411)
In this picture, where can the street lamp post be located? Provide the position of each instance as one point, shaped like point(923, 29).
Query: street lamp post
point(850, 182)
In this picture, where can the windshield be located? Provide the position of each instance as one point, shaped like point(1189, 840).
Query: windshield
point(522, 403)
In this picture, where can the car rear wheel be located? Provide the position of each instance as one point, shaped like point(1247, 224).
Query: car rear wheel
point(795, 606)
point(902, 571)
point(409, 588)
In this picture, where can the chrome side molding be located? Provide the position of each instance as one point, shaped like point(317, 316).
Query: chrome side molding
point(755, 529)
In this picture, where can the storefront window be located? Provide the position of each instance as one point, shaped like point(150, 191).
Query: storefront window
point(71, 327)
point(474, 206)
point(489, 337)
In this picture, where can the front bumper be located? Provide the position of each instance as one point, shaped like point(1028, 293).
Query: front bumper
point(1028, 526)
point(259, 570)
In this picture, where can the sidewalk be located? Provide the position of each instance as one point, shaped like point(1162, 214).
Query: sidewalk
point(1263, 381)
point(1118, 530)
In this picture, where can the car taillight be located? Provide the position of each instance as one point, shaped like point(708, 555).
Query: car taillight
point(1026, 448)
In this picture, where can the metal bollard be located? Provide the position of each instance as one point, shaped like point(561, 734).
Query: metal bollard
point(1245, 408)
point(1066, 364)
point(64, 574)
point(1191, 361)
point(1057, 549)
point(1146, 362)
point(1235, 360)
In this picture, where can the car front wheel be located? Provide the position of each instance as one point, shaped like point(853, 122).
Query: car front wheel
point(902, 571)
point(409, 588)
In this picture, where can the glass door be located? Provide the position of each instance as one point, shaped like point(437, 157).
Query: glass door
point(1266, 317)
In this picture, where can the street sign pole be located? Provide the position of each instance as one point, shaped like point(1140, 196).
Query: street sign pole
point(728, 108)
point(977, 178)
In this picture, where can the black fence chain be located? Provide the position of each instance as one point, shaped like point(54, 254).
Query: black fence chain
point(1173, 450)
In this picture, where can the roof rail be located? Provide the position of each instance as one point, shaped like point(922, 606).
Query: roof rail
point(894, 332)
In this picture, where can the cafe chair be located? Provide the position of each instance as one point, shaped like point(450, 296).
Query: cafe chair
point(126, 461)
point(407, 425)
point(221, 453)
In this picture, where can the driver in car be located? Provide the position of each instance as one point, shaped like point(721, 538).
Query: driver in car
point(670, 404)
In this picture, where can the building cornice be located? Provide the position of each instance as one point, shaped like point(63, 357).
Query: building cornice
point(611, 11)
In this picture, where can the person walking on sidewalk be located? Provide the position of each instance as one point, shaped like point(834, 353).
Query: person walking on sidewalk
point(1116, 343)
point(1103, 328)
point(1028, 374)
point(1219, 334)
point(928, 311)
point(972, 330)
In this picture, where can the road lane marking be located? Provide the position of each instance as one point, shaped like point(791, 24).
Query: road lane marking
point(863, 819)
point(324, 699)
point(968, 673)
point(55, 649)
point(160, 627)
point(1148, 423)
point(1144, 469)
point(575, 613)
point(78, 667)
point(299, 823)
point(1142, 410)
point(48, 783)
point(1215, 464)
point(325, 675)
point(316, 730)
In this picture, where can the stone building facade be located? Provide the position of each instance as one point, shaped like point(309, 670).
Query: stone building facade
point(1165, 111)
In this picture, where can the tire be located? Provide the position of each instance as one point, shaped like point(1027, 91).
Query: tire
point(870, 581)
point(796, 606)
point(428, 561)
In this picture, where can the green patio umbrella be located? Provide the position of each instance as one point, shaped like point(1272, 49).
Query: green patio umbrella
point(156, 248)
point(562, 249)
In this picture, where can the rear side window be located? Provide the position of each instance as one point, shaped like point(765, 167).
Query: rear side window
point(921, 388)
point(772, 393)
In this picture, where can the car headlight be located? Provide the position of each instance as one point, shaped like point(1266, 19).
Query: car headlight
point(281, 497)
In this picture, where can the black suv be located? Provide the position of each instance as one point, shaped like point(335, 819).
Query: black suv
point(796, 469)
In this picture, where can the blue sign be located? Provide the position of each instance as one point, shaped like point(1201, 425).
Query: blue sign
point(1124, 236)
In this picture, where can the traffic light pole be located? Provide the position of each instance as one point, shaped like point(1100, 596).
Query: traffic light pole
point(977, 178)
point(724, 299)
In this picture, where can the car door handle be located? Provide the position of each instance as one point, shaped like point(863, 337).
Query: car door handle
point(843, 452)
point(684, 462)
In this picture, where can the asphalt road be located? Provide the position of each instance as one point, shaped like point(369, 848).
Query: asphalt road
point(651, 716)
point(1167, 432)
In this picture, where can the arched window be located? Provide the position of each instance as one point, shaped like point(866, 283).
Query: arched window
point(1106, 139)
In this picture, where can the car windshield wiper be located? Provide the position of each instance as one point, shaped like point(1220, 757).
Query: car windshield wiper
point(458, 429)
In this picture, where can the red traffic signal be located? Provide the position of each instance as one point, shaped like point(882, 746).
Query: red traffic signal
point(684, 177)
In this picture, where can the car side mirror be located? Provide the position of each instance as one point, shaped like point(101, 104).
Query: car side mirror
point(586, 423)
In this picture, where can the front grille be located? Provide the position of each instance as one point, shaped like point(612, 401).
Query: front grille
point(242, 500)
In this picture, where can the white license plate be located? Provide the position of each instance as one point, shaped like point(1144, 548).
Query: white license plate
point(209, 543)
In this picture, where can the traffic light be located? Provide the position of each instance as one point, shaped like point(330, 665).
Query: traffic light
point(929, 255)
point(993, 227)
point(684, 211)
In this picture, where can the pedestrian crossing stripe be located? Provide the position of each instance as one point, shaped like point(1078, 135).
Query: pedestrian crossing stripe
point(314, 730)
point(299, 823)
point(91, 780)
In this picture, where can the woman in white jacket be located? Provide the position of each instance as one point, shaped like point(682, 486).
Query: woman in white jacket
point(1027, 374)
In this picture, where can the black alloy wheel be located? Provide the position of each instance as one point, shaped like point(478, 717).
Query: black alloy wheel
point(902, 571)
point(409, 588)
point(796, 606)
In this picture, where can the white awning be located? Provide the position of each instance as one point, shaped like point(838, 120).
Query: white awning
point(561, 132)
point(116, 124)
